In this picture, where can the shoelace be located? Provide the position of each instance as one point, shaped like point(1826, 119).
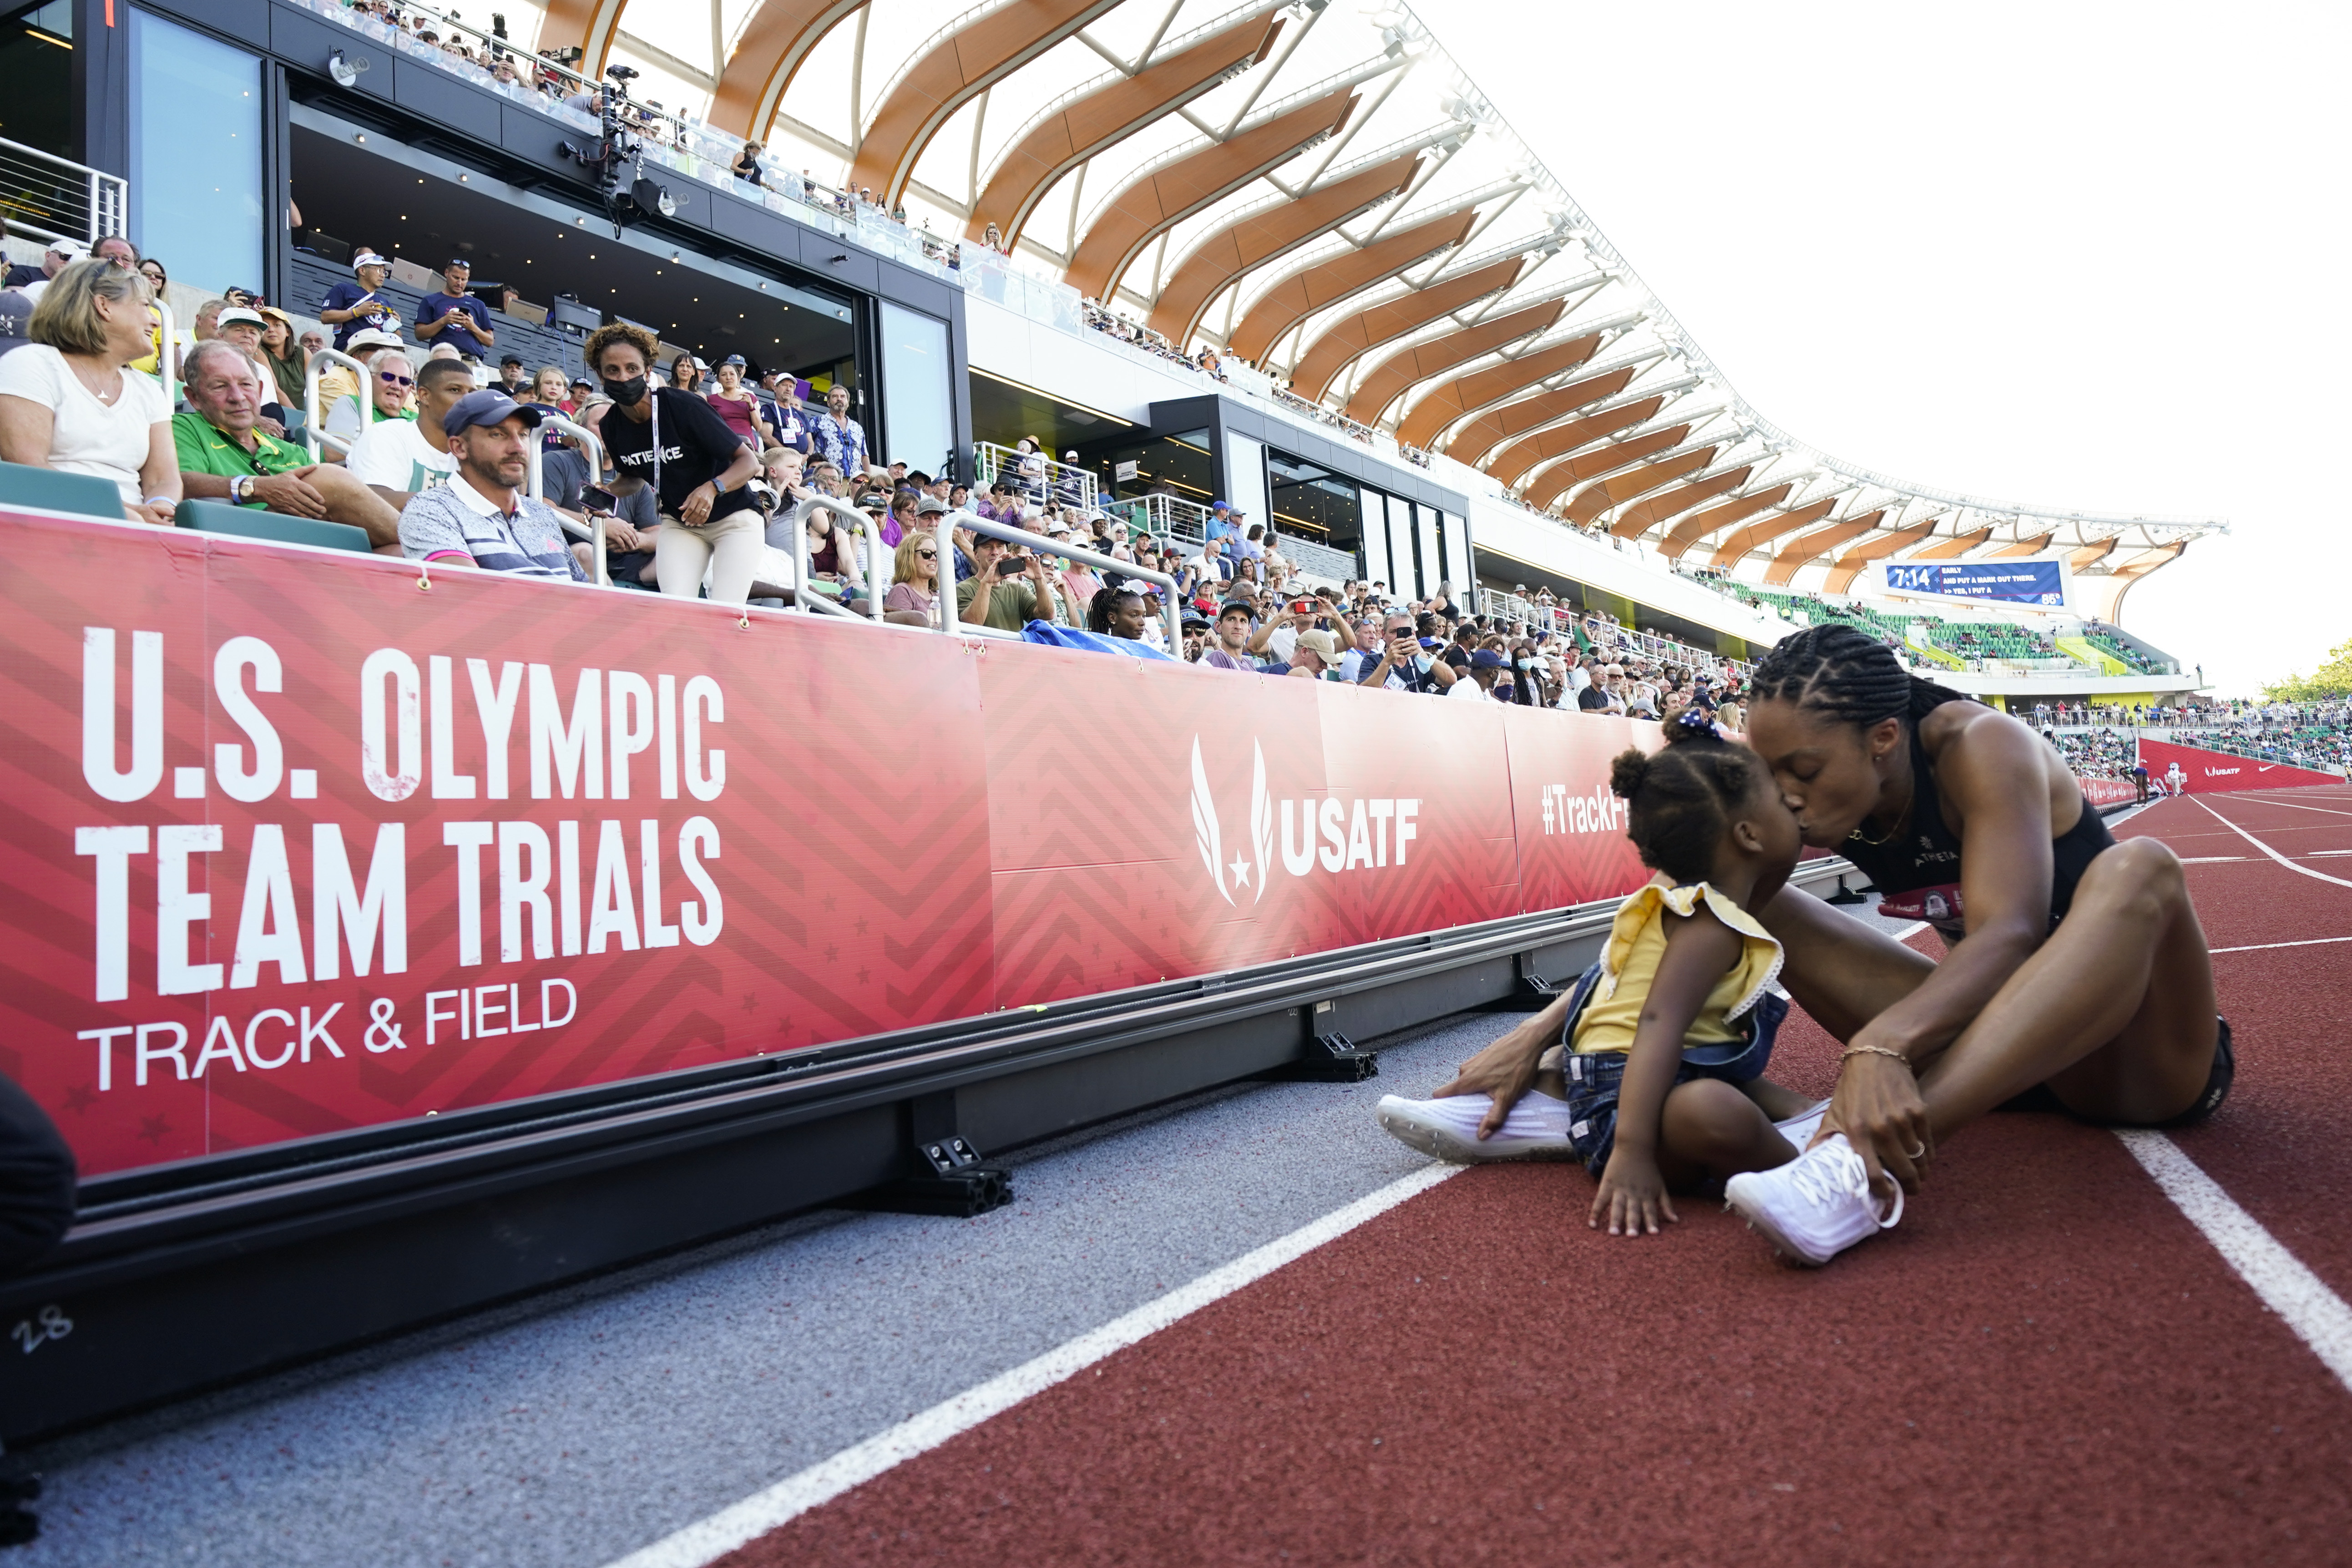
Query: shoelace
point(1832, 1171)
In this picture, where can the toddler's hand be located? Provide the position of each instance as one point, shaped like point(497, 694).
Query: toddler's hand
point(1633, 1196)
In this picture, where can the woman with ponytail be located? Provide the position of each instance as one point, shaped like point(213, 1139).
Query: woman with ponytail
point(2075, 975)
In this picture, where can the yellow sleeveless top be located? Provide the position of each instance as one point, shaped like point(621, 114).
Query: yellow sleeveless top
point(1637, 942)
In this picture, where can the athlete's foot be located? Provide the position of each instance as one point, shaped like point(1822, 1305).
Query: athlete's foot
point(1816, 1205)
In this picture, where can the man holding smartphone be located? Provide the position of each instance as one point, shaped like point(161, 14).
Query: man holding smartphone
point(1404, 665)
point(1005, 591)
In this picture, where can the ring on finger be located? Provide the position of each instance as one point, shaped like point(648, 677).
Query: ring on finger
point(1918, 1154)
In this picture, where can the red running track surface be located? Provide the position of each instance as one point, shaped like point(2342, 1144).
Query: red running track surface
point(2044, 1363)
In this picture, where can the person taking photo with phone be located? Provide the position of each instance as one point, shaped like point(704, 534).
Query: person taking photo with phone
point(1005, 591)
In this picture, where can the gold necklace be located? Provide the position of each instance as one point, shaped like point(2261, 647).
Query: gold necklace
point(1857, 837)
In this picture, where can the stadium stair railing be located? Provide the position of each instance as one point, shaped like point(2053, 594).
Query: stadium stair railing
point(951, 620)
point(314, 419)
point(809, 600)
point(594, 532)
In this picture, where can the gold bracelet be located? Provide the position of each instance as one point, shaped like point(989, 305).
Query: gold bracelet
point(1851, 1051)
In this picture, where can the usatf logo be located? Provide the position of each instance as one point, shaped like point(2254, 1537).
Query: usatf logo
point(1600, 812)
point(1352, 832)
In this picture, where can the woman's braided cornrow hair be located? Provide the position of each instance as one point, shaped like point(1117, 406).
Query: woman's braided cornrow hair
point(1841, 672)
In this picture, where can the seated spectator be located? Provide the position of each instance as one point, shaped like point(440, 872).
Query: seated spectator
point(1119, 612)
point(61, 254)
point(914, 593)
point(1403, 664)
point(567, 484)
point(959, 497)
point(242, 329)
point(400, 459)
point(1005, 591)
point(548, 394)
point(352, 307)
point(481, 518)
point(697, 466)
point(69, 401)
point(456, 319)
point(1230, 651)
point(1489, 677)
point(514, 377)
point(1210, 567)
point(686, 375)
point(787, 420)
point(1079, 583)
point(1314, 655)
point(223, 455)
point(391, 388)
point(290, 367)
point(833, 551)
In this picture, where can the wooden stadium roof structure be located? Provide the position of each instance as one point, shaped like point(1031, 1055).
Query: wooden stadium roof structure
point(1322, 191)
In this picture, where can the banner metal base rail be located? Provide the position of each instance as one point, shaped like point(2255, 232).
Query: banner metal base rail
point(184, 1278)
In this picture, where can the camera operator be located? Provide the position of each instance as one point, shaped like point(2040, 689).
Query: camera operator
point(1005, 591)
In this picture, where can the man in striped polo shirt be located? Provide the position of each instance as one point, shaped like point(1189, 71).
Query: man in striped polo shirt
point(481, 518)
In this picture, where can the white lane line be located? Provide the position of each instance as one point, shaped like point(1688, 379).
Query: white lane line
point(712, 1537)
point(2213, 860)
point(2300, 870)
point(2316, 1314)
point(2266, 946)
point(2298, 805)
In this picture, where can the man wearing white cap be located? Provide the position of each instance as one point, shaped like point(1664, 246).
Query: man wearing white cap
point(243, 328)
point(351, 308)
point(61, 254)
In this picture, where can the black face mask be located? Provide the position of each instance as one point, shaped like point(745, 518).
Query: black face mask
point(628, 393)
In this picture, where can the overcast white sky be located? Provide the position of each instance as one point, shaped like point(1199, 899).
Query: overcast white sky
point(2088, 255)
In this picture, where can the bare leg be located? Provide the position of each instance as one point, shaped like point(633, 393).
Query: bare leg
point(1841, 972)
point(1710, 1132)
point(2115, 1012)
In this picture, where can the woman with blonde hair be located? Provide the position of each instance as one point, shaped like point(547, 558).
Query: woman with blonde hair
point(914, 593)
point(69, 401)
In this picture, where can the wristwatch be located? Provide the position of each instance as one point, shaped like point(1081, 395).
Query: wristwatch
point(240, 490)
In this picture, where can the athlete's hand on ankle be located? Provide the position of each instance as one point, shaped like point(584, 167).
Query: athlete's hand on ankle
point(1633, 1196)
point(1877, 1106)
point(1506, 1069)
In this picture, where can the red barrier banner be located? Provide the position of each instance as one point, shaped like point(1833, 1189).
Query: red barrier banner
point(2191, 770)
point(308, 842)
point(2109, 792)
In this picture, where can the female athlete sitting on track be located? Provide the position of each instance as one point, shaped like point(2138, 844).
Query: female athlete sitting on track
point(2082, 986)
point(1660, 1085)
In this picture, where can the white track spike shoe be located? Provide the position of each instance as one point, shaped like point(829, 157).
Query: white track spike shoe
point(1448, 1129)
point(1816, 1205)
point(1799, 1129)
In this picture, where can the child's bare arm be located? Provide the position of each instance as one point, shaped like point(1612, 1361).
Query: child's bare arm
point(1699, 950)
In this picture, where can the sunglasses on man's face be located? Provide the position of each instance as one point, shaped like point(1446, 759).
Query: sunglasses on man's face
point(391, 380)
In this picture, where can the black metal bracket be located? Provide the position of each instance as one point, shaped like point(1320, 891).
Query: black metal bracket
point(950, 1177)
point(1329, 1058)
point(1846, 895)
point(1532, 995)
point(19, 1525)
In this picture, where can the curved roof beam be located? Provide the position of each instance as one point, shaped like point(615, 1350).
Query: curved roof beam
point(1171, 191)
point(774, 41)
point(1955, 547)
point(590, 26)
point(1322, 284)
point(2091, 554)
point(1395, 376)
point(1346, 341)
point(953, 71)
point(1557, 482)
point(1807, 547)
point(1478, 439)
point(1698, 525)
point(1737, 545)
point(2023, 547)
point(2112, 587)
point(1068, 135)
point(1449, 401)
point(1619, 489)
point(1269, 235)
point(1850, 564)
point(1521, 458)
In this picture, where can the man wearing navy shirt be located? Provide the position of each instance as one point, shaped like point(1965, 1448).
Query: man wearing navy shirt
point(456, 318)
point(352, 307)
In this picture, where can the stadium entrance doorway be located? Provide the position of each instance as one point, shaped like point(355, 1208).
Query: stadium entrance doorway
point(568, 274)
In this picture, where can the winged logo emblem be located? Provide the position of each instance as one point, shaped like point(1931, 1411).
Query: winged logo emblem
point(1209, 838)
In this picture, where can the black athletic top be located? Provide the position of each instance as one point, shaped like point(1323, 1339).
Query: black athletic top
point(1919, 873)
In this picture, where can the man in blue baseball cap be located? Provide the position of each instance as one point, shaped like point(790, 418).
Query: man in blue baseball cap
point(480, 518)
point(1489, 677)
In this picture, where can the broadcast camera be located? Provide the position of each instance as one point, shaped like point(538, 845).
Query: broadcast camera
point(616, 161)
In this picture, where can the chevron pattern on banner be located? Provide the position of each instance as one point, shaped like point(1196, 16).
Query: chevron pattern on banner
point(306, 846)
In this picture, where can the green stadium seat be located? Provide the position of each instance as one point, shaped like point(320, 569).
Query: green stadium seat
point(52, 490)
point(219, 517)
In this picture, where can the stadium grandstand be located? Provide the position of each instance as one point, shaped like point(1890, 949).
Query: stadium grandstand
point(853, 440)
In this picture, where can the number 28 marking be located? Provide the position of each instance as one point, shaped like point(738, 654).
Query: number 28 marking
point(48, 1324)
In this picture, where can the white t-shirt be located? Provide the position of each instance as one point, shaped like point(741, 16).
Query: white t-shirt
point(108, 441)
point(1468, 689)
point(394, 454)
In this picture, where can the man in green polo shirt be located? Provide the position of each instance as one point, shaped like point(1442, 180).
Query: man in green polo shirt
point(223, 456)
point(996, 597)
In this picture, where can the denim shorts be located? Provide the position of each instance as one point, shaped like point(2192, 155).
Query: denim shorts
point(1594, 1080)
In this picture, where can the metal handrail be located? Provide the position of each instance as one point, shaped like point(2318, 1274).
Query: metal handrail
point(808, 599)
point(990, 460)
point(106, 199)
point(950, 614)
point(596, 519)
point(314, 421)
